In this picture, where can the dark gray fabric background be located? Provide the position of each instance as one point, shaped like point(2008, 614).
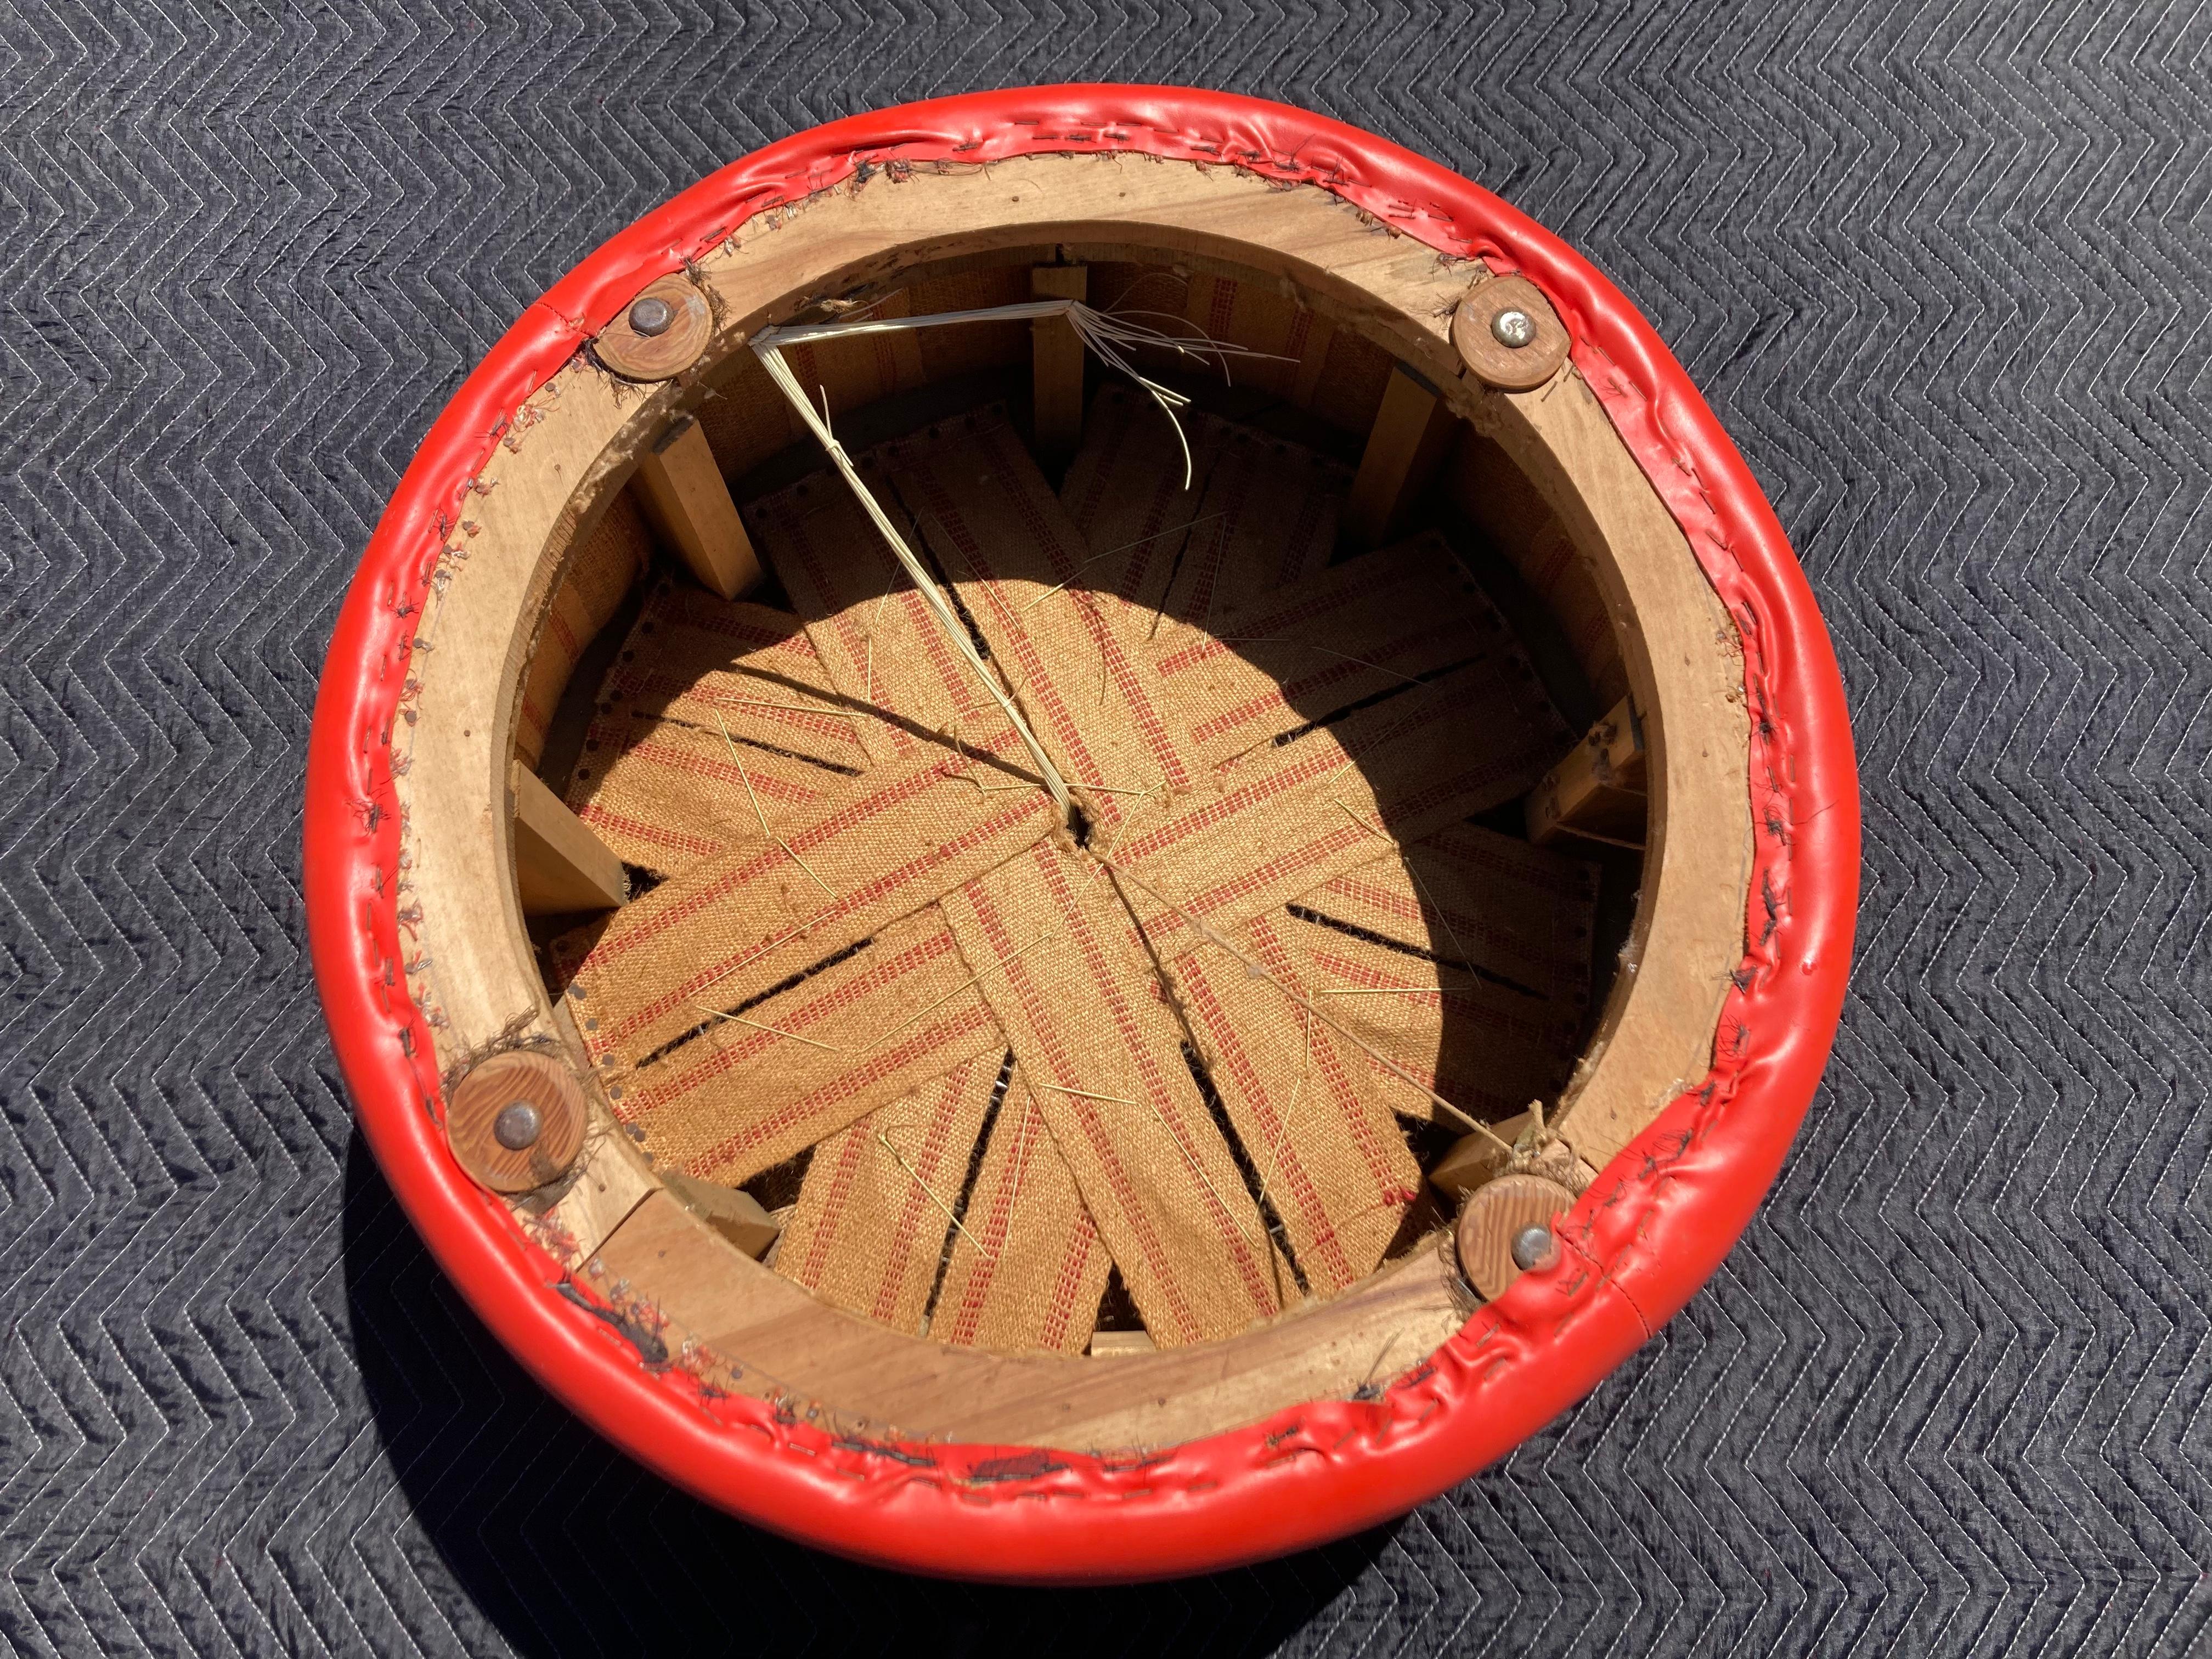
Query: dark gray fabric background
point(1940, 271)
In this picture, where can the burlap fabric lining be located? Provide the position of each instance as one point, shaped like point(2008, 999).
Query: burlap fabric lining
point(1177, 1040)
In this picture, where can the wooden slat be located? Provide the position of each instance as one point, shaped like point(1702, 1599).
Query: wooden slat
point(683, 495)
point(734, 1213)
point(1597, 791)
point(1476, 1159)
point(1057, 354)
point(560, 865)
point(1411, 433)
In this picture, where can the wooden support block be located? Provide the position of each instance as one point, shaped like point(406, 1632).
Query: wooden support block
point(1597, 791)
point(1475, 1159)
point(681, 489)
point(560, 865)
point(737, 1215)
point(1104, 1344)
point(1411, 431)
point(1057, 355)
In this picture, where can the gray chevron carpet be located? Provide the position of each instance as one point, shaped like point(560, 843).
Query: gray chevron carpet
point(1942, 273)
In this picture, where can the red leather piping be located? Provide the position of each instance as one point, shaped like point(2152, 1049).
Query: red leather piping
point(1639, 1242)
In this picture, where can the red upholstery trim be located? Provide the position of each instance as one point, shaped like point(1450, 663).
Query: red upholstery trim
point(1656, 1222)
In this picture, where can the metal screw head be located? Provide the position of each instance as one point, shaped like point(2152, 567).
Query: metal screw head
point(1513, 327)
point(516, 1127)
point(651, 315)
point(1535, 1247)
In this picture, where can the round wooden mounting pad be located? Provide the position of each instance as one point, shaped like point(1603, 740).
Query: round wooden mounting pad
point(1495, 1214)
point(1490, 360)
point(661, 357)
point(536, 1080)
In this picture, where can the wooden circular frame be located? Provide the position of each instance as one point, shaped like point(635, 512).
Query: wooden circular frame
point(470, 982)
point(1683, 663)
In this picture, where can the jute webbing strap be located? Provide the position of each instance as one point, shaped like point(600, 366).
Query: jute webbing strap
point(1518, 915)
point(869, 1232)
point(664, 795)
point(1028, 1266)
point(1332, 1161)
point(1101, 1053)
point(716, 729)
point(735, 1093)
point(1289, 816)
point(693, 656)
point(1269, 520)
point(877, 642)
point(612, 556)
point(1358, 632)
point(1126, 491)
point(1465, 963)
point(1017, 561)
point(732, 926)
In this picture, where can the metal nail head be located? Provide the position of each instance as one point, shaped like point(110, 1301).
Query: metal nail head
point(1513, 328)
point(516, 1127)
point(1534, 1249)
point(651, 315)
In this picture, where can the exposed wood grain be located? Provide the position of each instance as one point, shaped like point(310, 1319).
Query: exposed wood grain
point(1495, 362)
point(1495, 1214)
point(1411, 432)
point(611, 1181)
point(540, 1094)
point(737, 1215)
point(636, 355)
point(689, 505)
point(1656, 1035)
point(787, 1344)
point(1597, 790)
point(1056, 357)
point(560, 865)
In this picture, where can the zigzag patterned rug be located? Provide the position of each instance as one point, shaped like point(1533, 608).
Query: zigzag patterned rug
point(1942, 274)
